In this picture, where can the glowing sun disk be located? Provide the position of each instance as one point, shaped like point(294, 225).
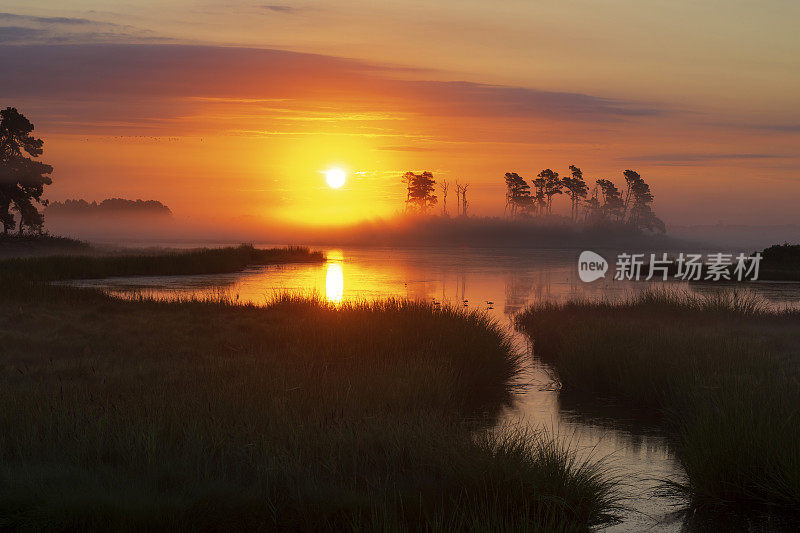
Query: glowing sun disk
point(335, 178)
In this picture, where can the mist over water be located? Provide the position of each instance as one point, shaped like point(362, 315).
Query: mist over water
point(147, 230)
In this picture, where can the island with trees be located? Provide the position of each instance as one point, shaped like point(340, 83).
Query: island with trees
point(110, 206)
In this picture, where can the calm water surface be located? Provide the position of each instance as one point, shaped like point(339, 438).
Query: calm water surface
point(501, 282)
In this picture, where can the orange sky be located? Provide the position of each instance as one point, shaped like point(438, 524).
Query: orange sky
point(232, 113)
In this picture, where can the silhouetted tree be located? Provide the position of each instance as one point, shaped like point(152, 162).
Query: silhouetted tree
point(592, 205)
point(631, 179)
point(408, 179)
point(518, 194)
point(612, 205)
point(576, 189)
point(551, 185)
point(539, 200)
point(461, 193)
point(420, 190)
point(638, 204)
point(444, 186)
point(22, 179)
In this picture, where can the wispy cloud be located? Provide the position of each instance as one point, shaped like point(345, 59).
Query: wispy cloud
point(406, 148)
point(782, 128)
point(30, 29)
point(17, 34)
point(277, 8)
point(686, 158)
point(777, 127)
point(242, 73)
point(470, 99)
point(47, 20)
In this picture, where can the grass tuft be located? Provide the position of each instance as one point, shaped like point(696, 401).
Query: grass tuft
point(719, 370)
point(300, 415)
point(196, 261)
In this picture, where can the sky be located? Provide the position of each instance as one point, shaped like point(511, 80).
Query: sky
point(230, 113)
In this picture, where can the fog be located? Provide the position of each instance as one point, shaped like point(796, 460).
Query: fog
point(147, 230)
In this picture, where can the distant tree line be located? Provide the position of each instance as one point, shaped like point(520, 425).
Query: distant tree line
point(22, 178)
point(420, 195)
point(110, 206)
point(602, 203)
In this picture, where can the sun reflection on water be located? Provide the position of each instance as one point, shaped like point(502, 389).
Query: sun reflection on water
point(334, 277)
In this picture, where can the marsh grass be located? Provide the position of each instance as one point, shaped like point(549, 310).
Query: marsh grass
point(718, 370)
point(202, 415)
point(159, 263)
point(40, 244)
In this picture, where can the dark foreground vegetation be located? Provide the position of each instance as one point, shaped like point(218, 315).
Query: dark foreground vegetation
point(161, 263)
point(719, 371)
point(33, 245)
point(781, 262)
point(130, 415)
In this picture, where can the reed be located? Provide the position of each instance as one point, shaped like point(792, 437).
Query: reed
point(301, 415)
point(159, 263)
point(719, 371)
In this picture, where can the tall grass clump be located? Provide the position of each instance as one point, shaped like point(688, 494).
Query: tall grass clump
point(195, 261)
point(299, 416)
point(12, 244)
point(718, 370)
point(738, 444)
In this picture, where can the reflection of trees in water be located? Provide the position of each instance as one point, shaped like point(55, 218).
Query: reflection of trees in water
point(521, 288)
point(518, 287)
point(458, 283)
point(416, 291)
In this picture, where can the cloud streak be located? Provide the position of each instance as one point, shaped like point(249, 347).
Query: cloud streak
point(688, 158)
point(279, 8)
point(186, 71)
point(16, 34)
point(48, 20)
point(32, 30)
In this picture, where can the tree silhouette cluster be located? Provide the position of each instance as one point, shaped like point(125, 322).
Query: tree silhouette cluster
point(22, 179)
point(420, 195)
point(606, 203)
point(420, 189)
point(110, 206)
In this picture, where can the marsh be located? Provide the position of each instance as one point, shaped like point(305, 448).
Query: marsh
point(502, 283)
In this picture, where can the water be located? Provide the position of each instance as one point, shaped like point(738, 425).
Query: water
point(502, 282)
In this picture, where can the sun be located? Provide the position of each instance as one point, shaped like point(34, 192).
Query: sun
point(335, 178)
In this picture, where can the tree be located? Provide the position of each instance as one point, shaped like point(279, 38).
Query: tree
point(539, 200)
point(420, 189)
point(612, 205)
point(408, 179)
point(576, 189)
point(518, 194)
point(444, 186)
point(22, 179)
point(461, 194)
point(639, 199)
point(643, 217)
point(631, 179)
point(550, 186)
point(592, 206)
